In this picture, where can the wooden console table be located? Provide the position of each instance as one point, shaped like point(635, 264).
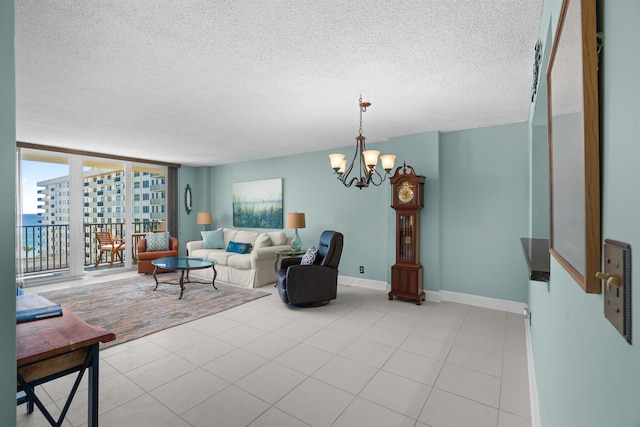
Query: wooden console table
point(50, 348)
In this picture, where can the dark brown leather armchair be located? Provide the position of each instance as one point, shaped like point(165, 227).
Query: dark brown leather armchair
point(316, 284)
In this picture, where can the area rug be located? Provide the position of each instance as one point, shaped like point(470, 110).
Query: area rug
point(131, 309)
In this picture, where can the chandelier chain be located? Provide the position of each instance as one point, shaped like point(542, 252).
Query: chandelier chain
point(361, 110)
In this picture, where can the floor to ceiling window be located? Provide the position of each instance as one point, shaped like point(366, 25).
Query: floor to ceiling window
point(103, 211)
point(42, 237)
point(69, 203)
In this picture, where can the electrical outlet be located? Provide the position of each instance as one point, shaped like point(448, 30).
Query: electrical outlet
point(362, 269)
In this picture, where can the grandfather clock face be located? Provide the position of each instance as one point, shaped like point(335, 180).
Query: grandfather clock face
point(405, 192)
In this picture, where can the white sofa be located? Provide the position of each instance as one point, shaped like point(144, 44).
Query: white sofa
point(255, 269)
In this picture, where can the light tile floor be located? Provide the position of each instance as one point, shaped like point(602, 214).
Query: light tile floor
point(360, 361)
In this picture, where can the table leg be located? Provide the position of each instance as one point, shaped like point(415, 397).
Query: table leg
point(181, 284)
point(90, 364)
point(93, 386)
point(275, 267)
point(215, 274)
point(31, 396)
point(155, 268)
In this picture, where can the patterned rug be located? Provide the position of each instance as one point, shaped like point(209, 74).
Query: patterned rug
point(131, 309)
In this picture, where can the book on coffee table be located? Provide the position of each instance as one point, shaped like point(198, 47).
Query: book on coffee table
point(33, 307)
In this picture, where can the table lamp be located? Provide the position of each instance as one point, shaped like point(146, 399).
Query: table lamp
point(296, 220)
point(204, 218)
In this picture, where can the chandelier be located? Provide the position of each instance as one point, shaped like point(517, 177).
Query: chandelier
point(364, 172)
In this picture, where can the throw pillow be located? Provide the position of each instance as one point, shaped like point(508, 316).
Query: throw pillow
point(157, 241)
point(310, 256)
point(263, 241)
point(245, 236)
point(240, 248)
point(213, 239)
point(278, 238)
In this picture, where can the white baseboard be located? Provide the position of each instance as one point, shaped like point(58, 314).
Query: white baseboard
point(439, 296)
point(480, 301)
point(533, 388)
point(363, 283)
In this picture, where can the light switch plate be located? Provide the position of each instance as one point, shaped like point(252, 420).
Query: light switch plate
point(617, 297)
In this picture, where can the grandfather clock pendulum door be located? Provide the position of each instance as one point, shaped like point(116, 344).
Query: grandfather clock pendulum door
point(408, 200)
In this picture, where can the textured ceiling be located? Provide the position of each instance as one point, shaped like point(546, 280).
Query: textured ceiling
point(213, 82)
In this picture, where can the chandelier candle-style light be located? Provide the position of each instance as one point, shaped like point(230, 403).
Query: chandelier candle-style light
point(366, 161)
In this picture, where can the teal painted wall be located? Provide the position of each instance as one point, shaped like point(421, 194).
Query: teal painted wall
point(586, 373)
point(475, 212)
point(198, 180)
point(484, 211)
point(363, 216)
point(7, 216)
point(539, 183)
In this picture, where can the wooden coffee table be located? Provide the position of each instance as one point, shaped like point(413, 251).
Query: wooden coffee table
point(184, 264)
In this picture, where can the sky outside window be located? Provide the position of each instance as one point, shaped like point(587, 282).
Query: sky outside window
point(32, 173)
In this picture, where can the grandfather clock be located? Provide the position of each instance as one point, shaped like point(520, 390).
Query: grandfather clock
point(407, 201)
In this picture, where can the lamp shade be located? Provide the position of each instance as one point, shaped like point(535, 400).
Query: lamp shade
point(370, 157)
point(204, 218)
point(295, 220)
point(387, 161)
point(336, 160)
point(162, 226)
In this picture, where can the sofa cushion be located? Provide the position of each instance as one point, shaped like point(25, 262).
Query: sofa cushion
point(218, 255)
point(244, 236)
point(310, 256)
point(262, 241)
point(213, 239)
point(241, 262)
point(278, 238)
point(239, 247)
point(157, 241)
point(229, 235)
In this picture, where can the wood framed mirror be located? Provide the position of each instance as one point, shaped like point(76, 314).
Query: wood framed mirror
point(187, 199)
point(574, 149)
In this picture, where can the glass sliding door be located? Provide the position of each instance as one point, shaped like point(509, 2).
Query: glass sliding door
point(149, 202)
point(148, 192)
point(81, 215)
point(43, 216)
point(104, 214)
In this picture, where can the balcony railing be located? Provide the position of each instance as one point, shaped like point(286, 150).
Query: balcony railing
point(46, 247)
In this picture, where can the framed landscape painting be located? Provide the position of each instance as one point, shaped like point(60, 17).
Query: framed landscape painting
point(257, 204)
